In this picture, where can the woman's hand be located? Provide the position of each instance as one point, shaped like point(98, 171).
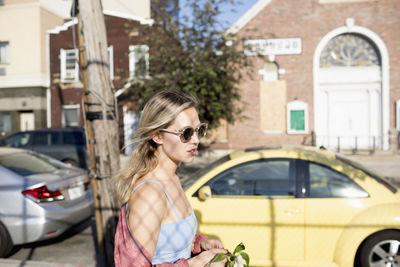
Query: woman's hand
point(205, 257)
point(207, 244)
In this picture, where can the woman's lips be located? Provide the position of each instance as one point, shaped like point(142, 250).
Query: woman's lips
point(193, 151)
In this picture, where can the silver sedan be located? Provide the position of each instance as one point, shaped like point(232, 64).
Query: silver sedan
point(40, 197)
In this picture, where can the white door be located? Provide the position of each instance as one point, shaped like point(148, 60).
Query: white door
point(27, 121)
point(351, 90)
point(349, 118)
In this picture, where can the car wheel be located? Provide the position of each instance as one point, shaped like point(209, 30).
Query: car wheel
point(5, 241)
point(381, 250)
point(71, 162)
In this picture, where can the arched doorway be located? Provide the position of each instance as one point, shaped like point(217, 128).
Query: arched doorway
point(351, 92)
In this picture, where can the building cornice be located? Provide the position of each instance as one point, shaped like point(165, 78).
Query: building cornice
point(27, 80)
point(21, 5)
point(31, 5)
point(140, 19)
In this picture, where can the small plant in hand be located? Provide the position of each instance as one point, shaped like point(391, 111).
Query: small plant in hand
point(235, 259)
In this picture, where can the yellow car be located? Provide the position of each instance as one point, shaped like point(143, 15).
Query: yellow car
point(298, 206)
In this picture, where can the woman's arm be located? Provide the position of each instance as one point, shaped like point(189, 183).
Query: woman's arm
point(196, 244)
point(146, 210)
point(202, 243)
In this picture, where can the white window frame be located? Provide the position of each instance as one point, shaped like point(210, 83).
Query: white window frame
point(292, 106)
point(4, 52)
point(63, 121)
point(134, 52)
point(65, 76)
point(268, 74)
point(110, 51)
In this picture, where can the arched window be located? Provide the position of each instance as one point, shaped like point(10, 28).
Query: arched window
point(349, 50)
point(270, 72)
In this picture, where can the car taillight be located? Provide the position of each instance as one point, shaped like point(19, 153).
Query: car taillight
point(43, 194)
point(88, 186)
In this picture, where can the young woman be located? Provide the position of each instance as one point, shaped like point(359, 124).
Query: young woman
point(157, 225)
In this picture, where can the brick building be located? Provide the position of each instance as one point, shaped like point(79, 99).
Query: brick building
point(125, 50)
point(326, 72)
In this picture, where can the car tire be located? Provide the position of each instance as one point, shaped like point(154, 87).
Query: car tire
point(5, 242)
point(376, 250)
point(71, 162)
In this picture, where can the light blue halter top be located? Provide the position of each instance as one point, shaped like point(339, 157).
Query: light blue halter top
point(175, 239)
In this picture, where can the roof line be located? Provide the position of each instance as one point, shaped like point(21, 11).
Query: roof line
point(63, 27)
point(74, 21)
point(249, 15)
point(142, 20)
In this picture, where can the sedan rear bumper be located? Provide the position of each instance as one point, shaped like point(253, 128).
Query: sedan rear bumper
point(51, 221)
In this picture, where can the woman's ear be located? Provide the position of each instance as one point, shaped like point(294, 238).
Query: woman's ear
point(157, 138)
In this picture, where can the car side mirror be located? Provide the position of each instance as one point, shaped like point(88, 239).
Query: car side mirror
point(205, 192)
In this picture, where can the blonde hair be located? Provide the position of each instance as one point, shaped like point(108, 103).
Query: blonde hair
point(158, 113)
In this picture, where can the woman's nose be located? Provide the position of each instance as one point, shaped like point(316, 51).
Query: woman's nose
point(195, 138)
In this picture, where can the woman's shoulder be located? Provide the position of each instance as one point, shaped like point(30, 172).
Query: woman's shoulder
point(147, 193)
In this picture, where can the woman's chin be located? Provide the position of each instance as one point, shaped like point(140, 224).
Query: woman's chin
point(188, 159)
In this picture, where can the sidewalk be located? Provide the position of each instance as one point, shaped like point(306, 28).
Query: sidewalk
point(387, 165)
point(18, 263)
point(384, 163)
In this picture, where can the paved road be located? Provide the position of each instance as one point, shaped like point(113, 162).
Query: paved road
point(76, 247)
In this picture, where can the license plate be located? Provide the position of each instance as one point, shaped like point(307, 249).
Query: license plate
point(75, 192)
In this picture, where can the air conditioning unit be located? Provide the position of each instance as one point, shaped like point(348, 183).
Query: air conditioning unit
point(2, 70)
point(70, 74)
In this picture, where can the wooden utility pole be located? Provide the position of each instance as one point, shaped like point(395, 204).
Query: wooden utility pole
point(100, 121)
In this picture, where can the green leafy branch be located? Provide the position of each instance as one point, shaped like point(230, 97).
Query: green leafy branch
point(234, 259)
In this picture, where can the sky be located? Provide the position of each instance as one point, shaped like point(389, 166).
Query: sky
point(241, 8)
point(230, 13)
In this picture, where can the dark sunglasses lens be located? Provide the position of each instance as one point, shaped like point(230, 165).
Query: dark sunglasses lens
point(187, 134)
point(201, 132)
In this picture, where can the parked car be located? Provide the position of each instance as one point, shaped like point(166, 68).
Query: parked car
point(65, 144)
point(298, 206)
point(40, 197)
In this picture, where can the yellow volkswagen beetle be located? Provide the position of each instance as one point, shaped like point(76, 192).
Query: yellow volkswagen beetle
point(298, 206)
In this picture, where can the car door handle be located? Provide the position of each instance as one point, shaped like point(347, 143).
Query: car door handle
point(293, 212)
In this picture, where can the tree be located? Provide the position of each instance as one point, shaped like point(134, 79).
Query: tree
point(192, 54)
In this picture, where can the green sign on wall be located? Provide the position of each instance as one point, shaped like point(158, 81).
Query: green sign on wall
point(297, 120)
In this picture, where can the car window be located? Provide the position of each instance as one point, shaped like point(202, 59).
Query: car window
point(191, 179)
point(382, 180)
point(73, 138)
point(41, 139)
point(325, 182)
point(55, 138)
point(28, 163)
point(17, 140)
point(257, 178)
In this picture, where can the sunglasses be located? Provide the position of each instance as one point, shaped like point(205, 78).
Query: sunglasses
point(186, 133)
